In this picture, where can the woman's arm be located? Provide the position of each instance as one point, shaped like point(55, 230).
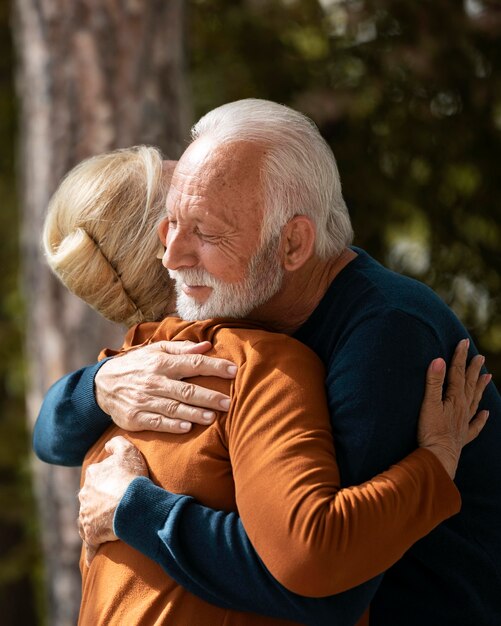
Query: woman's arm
point(315, 538)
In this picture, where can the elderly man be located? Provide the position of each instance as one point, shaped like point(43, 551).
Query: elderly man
point(375, 332)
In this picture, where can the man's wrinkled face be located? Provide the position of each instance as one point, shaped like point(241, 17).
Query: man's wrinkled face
point(214, 216)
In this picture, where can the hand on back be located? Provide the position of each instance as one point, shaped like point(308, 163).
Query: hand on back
point(447, 423)
point(143, 389)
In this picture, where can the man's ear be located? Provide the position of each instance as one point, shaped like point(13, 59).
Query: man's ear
point(298, 242)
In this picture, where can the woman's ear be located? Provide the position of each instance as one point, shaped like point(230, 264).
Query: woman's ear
point(298, 242)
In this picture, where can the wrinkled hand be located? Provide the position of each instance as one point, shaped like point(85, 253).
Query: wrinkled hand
point(447, 424)
point(104, 486)
point(142, 389)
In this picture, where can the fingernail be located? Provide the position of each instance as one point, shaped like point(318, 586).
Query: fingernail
point(208, 416)
point(225, 404)
point(437, 365)
point(466, 343)
point(488, 378)
point(232, 369)
point(185, 425)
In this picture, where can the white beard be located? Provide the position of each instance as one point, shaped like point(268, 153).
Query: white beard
point(262, 281)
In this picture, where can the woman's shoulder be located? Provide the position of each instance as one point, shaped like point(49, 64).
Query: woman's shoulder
point(269, 350)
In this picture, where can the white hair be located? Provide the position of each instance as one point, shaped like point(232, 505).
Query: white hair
point(299, 173)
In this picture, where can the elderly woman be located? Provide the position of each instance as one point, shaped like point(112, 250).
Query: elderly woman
point(271, 456)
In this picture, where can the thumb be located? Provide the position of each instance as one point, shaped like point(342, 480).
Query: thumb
point(435, 378)
point(184, 347)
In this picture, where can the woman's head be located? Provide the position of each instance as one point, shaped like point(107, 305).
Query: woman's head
point(100, 234)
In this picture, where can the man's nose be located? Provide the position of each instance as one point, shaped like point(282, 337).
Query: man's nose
point(180, 250)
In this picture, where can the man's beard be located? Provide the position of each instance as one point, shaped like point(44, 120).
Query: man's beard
point(262, 281)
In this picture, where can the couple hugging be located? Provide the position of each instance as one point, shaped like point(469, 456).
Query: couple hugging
point(272, 444)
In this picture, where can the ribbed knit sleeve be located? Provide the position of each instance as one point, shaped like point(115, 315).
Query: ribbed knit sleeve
point(209, 554)
point(70, 420)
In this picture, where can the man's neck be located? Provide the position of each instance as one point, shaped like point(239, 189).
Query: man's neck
point(301, 293)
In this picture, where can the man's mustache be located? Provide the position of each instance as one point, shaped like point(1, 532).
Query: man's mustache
point(195, 277)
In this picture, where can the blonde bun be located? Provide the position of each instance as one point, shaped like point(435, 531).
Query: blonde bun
point(100, 235)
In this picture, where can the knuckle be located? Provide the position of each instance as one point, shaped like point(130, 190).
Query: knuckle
point(186, 392)
point(197, 360)
point(434, 383)
point(154, 422)
point(150, 381)
point(172, 408)
point(140, 397)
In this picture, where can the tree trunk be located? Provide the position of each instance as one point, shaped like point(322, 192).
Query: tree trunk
point(93, 75)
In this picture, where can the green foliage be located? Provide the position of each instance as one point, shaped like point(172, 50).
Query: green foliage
point(408, 96)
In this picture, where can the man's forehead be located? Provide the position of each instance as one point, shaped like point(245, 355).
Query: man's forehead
point(228, 173)
point(232, 162)
point(197, 152)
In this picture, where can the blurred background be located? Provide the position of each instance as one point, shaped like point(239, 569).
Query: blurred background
point(407, 93)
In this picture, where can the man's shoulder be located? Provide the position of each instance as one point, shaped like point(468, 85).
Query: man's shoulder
point(366, 298)
point(375, 283)
point(371, 290)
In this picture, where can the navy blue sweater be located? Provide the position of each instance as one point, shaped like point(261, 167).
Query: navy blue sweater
point(376, 332)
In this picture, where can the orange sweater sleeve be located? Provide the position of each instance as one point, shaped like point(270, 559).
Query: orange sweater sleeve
point(315, 538)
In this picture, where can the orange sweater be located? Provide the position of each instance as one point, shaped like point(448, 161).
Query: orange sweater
point(272, 457)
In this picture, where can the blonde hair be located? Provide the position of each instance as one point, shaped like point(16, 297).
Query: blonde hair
point(100, 235)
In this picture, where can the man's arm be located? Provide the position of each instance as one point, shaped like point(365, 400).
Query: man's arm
point(70, 420)
point(208, 553)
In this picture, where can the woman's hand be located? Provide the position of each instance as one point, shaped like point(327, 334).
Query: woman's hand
point(104, 486)
point(143, 389)
point(447, 424)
